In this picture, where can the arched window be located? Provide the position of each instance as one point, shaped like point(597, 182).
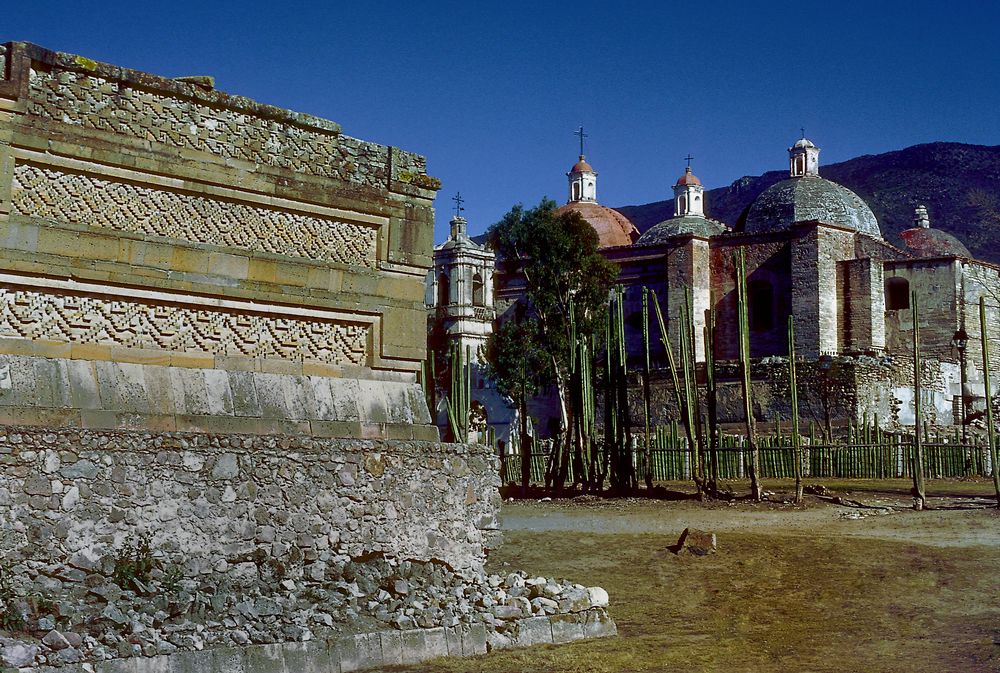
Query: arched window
point(444, 290)
point(478, 290)
point(576, 191)
point(761, 308)
point(897, 294)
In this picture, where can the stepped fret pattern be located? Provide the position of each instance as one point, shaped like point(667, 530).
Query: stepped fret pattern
point(137, 325)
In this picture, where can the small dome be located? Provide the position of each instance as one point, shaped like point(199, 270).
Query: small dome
point(926, 242)
point(680, 226)
point(806, 198)
point(802, 142)
point(613, 229)
point(688, 178)
point(581, 166)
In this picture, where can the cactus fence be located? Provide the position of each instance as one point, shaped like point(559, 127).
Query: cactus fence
point(889, 458)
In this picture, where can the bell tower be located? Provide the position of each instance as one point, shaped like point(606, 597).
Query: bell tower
point(689, 194)
point(803, 158)
point(582, 177)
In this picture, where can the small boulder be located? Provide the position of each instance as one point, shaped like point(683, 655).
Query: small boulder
point(696, 542)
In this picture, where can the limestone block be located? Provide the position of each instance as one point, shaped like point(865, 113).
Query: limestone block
point(190, 391)
point(599, 625)
point(346, 398)
point(566, 628)
point(244, 390)
point(271, 396)
point(436, 642)
point(453, 639)
point(309, 657)
point(474, 640)
point(262, 659)
point(220, 395)
point(392, 647)
point(533, 631)
point(358, 652)
point(372, 401)
point(414, 646)
point(83, 386)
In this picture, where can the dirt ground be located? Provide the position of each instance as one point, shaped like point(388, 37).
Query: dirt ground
point(864, 585)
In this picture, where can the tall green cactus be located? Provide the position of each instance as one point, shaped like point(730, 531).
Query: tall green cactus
point(743, 322)
point(712, 402)
point(794, 386)
point(920, 496)
point(990, 430)
point(461, 393)
point(646, 454)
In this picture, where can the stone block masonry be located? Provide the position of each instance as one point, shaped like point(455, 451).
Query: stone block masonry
point(162, 223)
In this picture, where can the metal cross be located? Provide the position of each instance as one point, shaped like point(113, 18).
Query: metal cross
point(582, 136)
point(688, 158)
point(458, 203)
point(803, 129)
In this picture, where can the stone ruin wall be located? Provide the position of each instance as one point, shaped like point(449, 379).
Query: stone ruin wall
point(182, 259)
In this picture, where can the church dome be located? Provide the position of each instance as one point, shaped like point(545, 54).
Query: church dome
point(679, 226)
point(613, 228)
point(923, 241)
point(810, 197)
point(688, 178)
point(581, 166)
point(802, 143)
point(933, 243)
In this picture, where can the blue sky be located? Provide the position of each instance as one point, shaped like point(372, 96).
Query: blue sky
point(491, 93)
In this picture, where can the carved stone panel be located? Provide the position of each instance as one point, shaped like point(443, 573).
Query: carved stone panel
point(87, 200)
point(136, 324)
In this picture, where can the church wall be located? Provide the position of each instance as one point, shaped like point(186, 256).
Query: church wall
point(861, 298)
point(767, 261)
point(815, 254)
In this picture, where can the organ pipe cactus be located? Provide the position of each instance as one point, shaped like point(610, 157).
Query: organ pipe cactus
point(920, 497)
point(458, 400)
point(990, 430)
point(756, 492)
point(793, 385)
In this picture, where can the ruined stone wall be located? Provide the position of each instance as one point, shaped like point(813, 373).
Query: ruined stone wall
point(232, 505)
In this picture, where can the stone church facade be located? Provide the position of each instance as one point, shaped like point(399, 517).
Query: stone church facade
point(814, 250)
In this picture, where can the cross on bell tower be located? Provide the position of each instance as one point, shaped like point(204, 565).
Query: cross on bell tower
point(582, 177)
point(579, 132)
point(458, 224)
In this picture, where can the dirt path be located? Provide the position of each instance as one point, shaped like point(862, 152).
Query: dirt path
point(955, 522)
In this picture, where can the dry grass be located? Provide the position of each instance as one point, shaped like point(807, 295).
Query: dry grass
point(771, 602)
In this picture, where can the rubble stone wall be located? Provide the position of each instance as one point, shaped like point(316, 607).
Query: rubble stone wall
point(230, 505)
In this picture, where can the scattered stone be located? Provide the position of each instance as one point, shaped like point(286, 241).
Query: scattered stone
point(17, 654)
point(695, 542)
point(55, 640)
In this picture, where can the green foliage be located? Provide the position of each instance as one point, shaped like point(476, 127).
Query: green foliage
point(134, 562)
point(11, 618)
point(558, 258)
point(516, 361)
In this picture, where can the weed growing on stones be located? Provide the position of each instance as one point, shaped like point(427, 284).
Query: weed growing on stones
point(11, 618)
point(134, 562)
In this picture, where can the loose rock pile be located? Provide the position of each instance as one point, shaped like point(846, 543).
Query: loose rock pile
point(85, 614)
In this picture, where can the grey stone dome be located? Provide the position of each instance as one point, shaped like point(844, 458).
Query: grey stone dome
point(810, 198)
point(678, 226)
